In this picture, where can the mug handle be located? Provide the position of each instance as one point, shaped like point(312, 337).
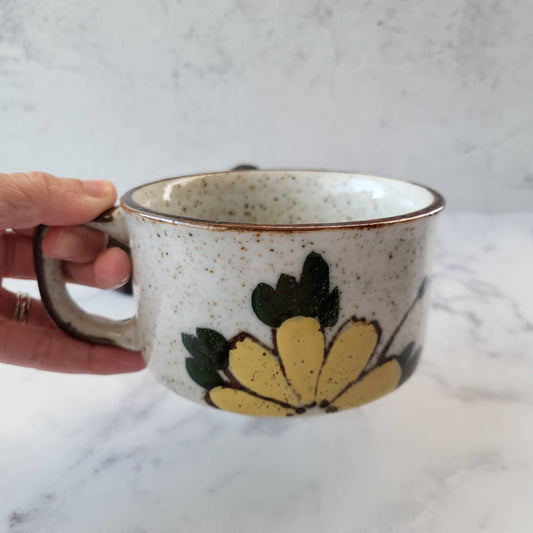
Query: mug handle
point(63, 310)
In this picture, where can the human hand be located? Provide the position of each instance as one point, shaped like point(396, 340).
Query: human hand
point(33, 198)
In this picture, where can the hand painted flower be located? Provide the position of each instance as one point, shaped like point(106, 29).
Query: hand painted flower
point(306, 373)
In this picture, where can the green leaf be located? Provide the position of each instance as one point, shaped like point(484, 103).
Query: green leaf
point(193, 345)
point(264, 304)
point(207, 378)
point(405, 353)
point(209, 349)
point(216, 346)
point(329, 312)
point(210, 353)
point(408, 361)
point(314, 298)
point(314, 285)
point(422, 288)
point(308, 297)
point(286, 291)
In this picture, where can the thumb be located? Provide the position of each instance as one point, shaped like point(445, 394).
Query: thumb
point(32, 198)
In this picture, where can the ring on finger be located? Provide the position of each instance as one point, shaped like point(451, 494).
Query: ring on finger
point(22, 308)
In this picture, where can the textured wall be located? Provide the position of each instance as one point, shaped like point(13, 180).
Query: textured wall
point(438, 92)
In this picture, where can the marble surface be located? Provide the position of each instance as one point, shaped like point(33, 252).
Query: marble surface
point(432, 91)
point(452, 450)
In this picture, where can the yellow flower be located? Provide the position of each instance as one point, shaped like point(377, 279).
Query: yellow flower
point(306, 373)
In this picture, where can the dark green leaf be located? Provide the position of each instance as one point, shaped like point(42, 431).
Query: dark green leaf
point(285, 299)
point(264, 304)
point(308, 297)
point(286, 290)
point(193, 345)
point(205, 377)
point(273, 306)
point(329, 312)
point(405, 353)
point(216, 346)
point(409, 361)
point(422, 288)
point(209, 348)
point(313, 288)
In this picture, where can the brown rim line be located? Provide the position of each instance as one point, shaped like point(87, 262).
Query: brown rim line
point(435, 207)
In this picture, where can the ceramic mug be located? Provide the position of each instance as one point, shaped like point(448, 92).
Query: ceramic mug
point(269, 293)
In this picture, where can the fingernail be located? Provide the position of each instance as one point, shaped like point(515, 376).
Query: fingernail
point(121, 284)
point(68, 244)
point(99, 188)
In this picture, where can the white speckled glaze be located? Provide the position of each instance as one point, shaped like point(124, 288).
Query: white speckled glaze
point(201, 245)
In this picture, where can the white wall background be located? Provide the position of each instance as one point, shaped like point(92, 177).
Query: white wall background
point(132, 90)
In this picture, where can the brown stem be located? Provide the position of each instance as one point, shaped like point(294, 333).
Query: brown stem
point(233, 381)
point(387, 346)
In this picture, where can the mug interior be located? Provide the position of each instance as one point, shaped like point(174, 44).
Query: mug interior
point(281, 197)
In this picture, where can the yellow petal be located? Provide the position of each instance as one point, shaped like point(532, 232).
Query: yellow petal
point(300, 343)
point(347, 358)
point(239, 401)
point(375, 384)
point(259, 370)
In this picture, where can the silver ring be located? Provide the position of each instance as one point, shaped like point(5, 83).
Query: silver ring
point(22, 308)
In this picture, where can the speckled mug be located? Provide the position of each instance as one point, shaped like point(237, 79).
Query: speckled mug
point(269, 293)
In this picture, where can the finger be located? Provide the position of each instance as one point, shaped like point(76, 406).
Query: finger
point(16, 256)
point(37, 314)
point(32, 198)
point(110, 270)
point(79, 244)
point(29, 232)
point(53, 350)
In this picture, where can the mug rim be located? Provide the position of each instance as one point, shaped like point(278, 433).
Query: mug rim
point(129, 204)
